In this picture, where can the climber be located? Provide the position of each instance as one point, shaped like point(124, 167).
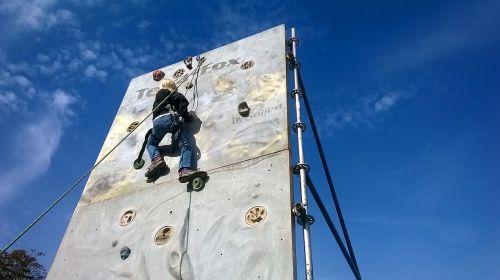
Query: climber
point(169, 106)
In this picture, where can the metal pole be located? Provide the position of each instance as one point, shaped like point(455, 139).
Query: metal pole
point(303, 188)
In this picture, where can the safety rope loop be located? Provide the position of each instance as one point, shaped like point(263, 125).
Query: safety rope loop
point(297, 125)
point(293, 39)
point(299, 166)
point(296, 91)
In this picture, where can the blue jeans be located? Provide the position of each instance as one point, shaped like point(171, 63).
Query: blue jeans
point(170, 124)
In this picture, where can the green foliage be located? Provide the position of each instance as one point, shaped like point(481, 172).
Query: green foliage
point(21, 265)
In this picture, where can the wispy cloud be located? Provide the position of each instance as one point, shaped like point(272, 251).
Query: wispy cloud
point(144, 24)
point(466, 27)
point(40, 135)
point(10, 103)
point(365, 111)
point(15, 90)
point(94, 60)
point(35, 15)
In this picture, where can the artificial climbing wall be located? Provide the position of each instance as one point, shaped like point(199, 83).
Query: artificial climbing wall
point(239, 226)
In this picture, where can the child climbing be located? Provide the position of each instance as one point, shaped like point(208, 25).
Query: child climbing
point(170, 110)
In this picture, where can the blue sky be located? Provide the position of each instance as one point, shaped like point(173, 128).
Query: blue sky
point(405, 95)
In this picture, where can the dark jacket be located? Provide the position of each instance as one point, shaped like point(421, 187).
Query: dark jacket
point(177, 101)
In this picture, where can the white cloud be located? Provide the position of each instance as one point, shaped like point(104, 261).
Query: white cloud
point(387, 101)
point(10, 83)
point(10, 103)
point(91, 71)
point(89, 50)
point(50, 69)
point(74, 64)
point(35, 15)
point(144, 24)
point(88, 3)
point(22, 81)
point(42, 58)
point(89, 55)
point(365, 111)
point(41, 136)
point(19, 67)
point(7, 79)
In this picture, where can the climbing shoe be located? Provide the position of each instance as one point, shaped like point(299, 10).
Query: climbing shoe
point(186, 174)
point(157, 164)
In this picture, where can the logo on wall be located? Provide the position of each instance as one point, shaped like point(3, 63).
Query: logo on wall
point(223, 88)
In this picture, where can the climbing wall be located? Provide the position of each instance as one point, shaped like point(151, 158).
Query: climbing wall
point(239, 226)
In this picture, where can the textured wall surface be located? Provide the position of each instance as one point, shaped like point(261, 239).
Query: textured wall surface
point(248, 162)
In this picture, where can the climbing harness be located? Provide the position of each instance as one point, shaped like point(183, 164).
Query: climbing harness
point(139, 162)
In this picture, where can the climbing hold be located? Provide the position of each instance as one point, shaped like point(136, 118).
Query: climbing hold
point(132, 126)
point(247, 64)
point(189, 62)
point(125, 252)
point(178, 73)
point(189, 85)
point(255, 215)
point(127, 218)
point(197, 183)
point(164, 235)
point(243, 109)
point(138, 163)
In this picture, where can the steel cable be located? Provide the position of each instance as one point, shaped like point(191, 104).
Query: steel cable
point(334, 231)
point(327, 171)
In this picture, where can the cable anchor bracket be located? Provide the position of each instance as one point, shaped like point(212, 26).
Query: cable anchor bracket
point(293, 39)
point(299, 166)
point(297, 125)
point(292, 61)
point(299, 211)
point(296, 91)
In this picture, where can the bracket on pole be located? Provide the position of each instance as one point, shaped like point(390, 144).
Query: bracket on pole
point(299, 211)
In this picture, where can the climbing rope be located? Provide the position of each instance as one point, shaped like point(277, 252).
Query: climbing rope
point(200, 62)
point(195, 104)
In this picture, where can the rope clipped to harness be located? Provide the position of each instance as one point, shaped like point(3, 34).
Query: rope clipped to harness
point(139, 162)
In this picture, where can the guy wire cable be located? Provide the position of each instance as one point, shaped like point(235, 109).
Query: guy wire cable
point(330, 224)
point(91, 169)
point(327, 171)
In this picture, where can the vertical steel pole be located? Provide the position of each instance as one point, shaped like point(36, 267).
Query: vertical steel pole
point(303, 190)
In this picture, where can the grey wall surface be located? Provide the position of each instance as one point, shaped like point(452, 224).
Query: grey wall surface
point(248, 162)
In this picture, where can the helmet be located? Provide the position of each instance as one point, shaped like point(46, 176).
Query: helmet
point(158, 75)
